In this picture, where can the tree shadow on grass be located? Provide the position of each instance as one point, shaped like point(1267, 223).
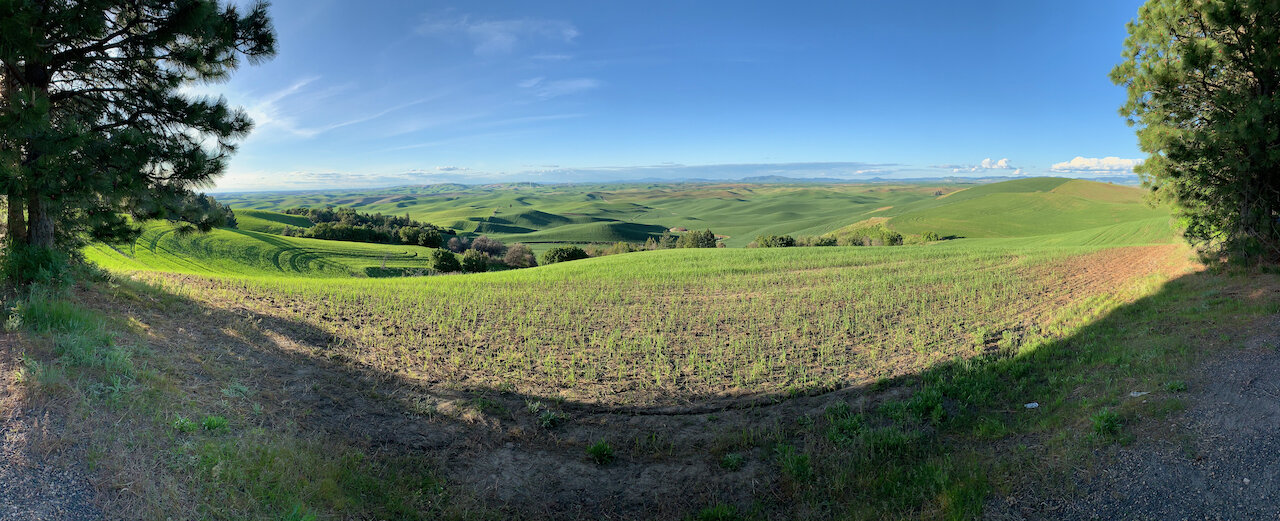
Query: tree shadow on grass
point(933, 444)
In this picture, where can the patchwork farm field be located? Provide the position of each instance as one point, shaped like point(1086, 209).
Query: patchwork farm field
point(610, 213)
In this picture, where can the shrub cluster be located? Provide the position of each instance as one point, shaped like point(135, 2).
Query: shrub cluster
point(346, 224)
point(876, 235)
point(703, 239)
point(481, 254)
point(775, 241)
point(562, 254)
point(519, 256)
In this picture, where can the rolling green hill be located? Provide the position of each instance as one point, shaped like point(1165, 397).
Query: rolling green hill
point(244, 252)
point(633, 212)
point(1035, 207)
point(509, 212)
point(1024, 212)
point(268, 222)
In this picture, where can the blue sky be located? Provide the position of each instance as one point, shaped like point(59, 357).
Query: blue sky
point(385, 93)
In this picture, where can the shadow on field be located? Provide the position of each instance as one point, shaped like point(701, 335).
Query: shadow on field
point(934, 444)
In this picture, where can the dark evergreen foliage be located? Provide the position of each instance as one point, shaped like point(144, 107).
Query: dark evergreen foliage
point(93, 125)
point(1203, 78)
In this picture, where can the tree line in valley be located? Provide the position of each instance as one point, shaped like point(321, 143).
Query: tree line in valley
point(347, 224)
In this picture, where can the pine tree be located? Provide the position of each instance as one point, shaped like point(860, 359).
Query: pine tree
point(93, 125)
point(1203, 78)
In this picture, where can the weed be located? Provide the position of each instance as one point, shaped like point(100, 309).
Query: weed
point(214, 423)
point(299, 513)
point(487, 405)
point(46, 376)
point(112, 390)
point(601, 452)
point(235, 390)
point(533, 406)
point(1106, 422)
point(1176, 386)
point(13, 322)
point(550, 419)
point(654, 444)
point(732, 461)
point(794, 464)
point(990, 428)
point(184, 425)
point(422, 407)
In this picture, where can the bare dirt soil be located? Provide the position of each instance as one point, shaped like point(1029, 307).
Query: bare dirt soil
point(40, 474)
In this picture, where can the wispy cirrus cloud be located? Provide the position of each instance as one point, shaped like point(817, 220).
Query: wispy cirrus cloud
point(558, 57)
point(276, 113)
point(1096, 165)
point(545, 89)
point(498, 37)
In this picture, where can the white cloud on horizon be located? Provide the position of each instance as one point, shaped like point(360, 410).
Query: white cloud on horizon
point(986, 164)
point(1094, 165)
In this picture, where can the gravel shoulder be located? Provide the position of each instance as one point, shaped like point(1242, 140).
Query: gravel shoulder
point(1219, 459)
point(40, 475)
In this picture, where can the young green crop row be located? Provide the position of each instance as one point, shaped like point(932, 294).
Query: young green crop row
point(244, 252)
point(669, 326)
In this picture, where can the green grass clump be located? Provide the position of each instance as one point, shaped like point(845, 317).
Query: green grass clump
point(184, 425)
point(1106, 422)
point(601, 452)
point(550, 419)
point(794, 464)
point(732, 461)
point(214, 423)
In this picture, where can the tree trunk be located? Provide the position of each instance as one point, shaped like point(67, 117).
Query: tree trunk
point(39, 221)
point(16, 232)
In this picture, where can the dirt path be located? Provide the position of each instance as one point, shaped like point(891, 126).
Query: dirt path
point(1219, 459)
point(38, 480)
